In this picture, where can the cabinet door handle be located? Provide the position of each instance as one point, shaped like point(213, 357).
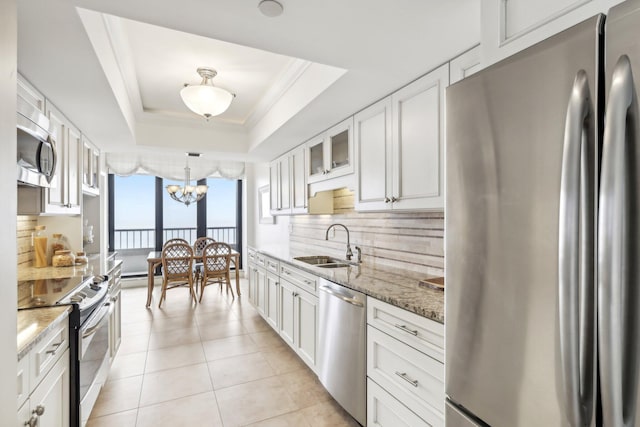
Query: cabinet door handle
point(404, 328)
point(308, 282)
point(287, 273)
point(54, 349)
point(393, 200)
point(404, 376)
point(387, 200)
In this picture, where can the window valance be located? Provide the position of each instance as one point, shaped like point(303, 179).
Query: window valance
point(171, 166)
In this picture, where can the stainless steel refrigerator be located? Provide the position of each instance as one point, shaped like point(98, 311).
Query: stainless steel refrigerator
point(542, 229)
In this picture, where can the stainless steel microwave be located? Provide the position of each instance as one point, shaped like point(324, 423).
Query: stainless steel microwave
point(36, 146)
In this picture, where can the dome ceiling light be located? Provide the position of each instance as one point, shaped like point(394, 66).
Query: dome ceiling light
point(206, 99)
point(270, 8)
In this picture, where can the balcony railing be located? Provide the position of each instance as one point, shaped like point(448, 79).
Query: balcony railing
point(145, 238)
point(133, 245)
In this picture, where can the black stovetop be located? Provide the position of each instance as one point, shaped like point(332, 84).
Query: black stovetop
point(47, 292)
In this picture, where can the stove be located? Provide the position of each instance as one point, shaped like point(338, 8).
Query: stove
point(84, 291)
point(88, 296)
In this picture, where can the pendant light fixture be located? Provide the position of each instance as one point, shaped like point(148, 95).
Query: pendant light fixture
point(206, 99)
point(188, 193)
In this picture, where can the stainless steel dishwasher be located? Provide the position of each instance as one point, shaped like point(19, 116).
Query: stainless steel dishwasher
point(342, 359)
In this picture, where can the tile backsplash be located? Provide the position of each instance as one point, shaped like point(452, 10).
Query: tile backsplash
point(25, 226)
point(411, 241)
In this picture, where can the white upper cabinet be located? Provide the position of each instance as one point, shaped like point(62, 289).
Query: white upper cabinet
point(90, 167)
point(298, 180)
point(330, 154)
point(465, 65)
point(279, 179)
point(30, 94)
point(288, 187)
point(410, 167)
point(372, 140)
point(65, 194)
point(509, 26)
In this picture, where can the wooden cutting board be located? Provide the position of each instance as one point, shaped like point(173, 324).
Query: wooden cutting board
point(436, 283)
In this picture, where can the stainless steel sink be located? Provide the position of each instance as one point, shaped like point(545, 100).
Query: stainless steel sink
point(323, 261)
point(333, 265)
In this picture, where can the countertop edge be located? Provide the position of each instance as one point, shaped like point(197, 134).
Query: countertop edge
point(61, 313)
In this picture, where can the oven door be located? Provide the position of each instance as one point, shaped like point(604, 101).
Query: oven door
point(93, 351)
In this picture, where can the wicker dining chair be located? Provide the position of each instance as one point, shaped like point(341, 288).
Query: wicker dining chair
point(216, 259)
point(175, 240)
point(177, 268)
point(198, 247)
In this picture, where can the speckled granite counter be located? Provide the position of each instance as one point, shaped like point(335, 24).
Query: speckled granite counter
point(396, 287)
point(35, 323)
point(96, 266)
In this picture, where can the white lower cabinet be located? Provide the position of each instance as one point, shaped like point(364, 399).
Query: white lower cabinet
point(404, 360)
point(306, 327)
point(272, 286)
point(287, 308)
point(299, 321)
point(384, 410)
point(44, 381)
point(51, 398)
point(115, 314)
point(261, 291)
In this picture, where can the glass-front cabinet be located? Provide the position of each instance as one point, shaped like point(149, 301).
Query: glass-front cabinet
point(330, 154)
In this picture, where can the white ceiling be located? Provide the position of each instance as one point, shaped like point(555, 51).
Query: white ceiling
point(116, 68)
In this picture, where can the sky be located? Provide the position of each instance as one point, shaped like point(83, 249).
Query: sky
point(135, 204)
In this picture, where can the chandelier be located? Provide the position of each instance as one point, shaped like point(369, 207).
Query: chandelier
point(188, 193)
point(206, 99)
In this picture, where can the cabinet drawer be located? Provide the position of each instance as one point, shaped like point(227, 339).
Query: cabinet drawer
point(384, 410)
point(412, 377)
point(23, 380)
point(416, 331)
point(251, 253)
point(272, 265)
point(45, 354)
point(306, 281)
point(261, 260)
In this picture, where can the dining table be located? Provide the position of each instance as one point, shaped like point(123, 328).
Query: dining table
point(154, 260)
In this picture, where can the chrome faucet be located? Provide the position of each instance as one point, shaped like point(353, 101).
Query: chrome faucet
point(326, 237)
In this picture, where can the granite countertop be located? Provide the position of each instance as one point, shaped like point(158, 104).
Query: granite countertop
point(34, 323)
point(397, 287)
point(97, 265)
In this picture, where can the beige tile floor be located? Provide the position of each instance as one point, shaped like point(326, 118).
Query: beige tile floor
point(217, 363)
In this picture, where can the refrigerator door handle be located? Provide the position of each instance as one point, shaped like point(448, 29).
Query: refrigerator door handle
point(576, 298)
point(617, 246)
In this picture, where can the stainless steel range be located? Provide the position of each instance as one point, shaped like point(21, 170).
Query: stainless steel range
point(89, 344)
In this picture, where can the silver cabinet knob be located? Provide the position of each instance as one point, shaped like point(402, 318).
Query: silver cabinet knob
point(387, 200)
point(393, 200)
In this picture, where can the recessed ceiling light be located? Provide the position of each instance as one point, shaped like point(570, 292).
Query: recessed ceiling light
point(270, 8)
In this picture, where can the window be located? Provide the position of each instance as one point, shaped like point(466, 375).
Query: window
point(134, 212)
point(222, 211)
point(178, 220)
point(142, 216)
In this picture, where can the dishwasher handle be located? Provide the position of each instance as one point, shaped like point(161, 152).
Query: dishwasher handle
point(352, 301)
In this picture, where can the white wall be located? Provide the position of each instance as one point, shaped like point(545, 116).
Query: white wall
point(8, 213)
point(275, 236)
